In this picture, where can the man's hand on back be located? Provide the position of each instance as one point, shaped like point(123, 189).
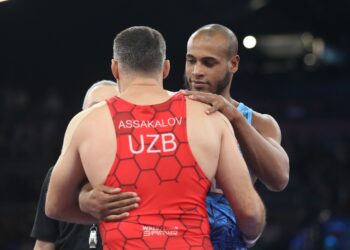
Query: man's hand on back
point(107, 203)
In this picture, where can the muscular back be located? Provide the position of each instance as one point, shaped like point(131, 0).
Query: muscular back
point(98, 145)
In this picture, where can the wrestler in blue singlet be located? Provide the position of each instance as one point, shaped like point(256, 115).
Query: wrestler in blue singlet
point(224, 232)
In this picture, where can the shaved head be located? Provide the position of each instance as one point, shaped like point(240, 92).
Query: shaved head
point(212, 30)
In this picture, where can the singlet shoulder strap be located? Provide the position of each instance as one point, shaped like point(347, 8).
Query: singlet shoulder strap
point(245, 111)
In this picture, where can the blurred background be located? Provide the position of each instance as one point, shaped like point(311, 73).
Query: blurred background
point(294, 66)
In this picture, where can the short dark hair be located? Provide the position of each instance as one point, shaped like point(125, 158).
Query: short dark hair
point(140, 48)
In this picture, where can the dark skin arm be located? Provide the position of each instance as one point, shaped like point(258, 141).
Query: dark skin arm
point(260, 143)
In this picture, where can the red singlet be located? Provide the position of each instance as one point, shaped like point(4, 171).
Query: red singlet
point(154, 160)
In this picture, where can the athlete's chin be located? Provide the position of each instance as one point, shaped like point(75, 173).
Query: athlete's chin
point(201, 87)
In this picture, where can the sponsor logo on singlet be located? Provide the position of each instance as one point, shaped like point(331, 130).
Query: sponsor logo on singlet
point(159, 231)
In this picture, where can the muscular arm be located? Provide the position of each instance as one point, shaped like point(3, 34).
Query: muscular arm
point(63, 193)
point(233, 178)
point(66, 180)
point(260, 143)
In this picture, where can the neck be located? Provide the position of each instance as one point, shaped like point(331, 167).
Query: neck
point(226, 93)
point(140, 82)
point(144, 92)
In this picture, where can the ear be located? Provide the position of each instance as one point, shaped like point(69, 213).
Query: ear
point(166, 68)
point(234, 63)
point(114, 68)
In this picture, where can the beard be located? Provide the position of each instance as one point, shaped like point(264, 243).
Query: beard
point(221, 85)
point(218, 87)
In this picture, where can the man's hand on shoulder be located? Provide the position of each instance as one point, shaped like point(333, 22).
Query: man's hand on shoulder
point(107, 203)
point(217, 103)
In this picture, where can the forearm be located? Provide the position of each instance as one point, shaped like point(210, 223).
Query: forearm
point(252, 224)
point(71, 214)
point(66, 209)
point(251, 231)
point(252, 228)
point(265, 158)
point(249, 211)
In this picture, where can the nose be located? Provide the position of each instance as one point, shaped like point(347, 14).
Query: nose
point(197, 70)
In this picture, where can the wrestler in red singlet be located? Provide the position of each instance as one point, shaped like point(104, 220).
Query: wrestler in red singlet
point(154, 159)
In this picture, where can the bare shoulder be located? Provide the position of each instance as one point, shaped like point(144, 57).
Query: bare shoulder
point(200, 109)
point(80, 122)
point(97, 110)
point(93, 118)
point(266, 125)
point(88, 115)
point(196, 104)
point(217, 118)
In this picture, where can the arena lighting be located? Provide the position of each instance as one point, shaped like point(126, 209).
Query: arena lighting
point(257, 4)
point(249, 42)
point(283, 52)
point(281, 46)
point(310, 59)
point(307, 39)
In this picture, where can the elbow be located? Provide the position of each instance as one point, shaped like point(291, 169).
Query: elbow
point(52, 211)
point(281, 181)
point(281, 184)
point(252, 221)
point(284, 178)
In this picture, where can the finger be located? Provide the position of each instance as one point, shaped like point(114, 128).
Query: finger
point(116, 217)
point(212, 109)
point(121, 196)
point(116, 191)
point(118, 211)
point(87, 187)
point(123, 203)
point(190, 92)
point(110, 190)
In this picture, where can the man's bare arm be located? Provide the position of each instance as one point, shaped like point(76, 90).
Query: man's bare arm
point(260, 145)
point(66, 180)
point(233, 177)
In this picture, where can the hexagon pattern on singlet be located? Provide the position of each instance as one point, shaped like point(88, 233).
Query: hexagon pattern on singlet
point(154, 160)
